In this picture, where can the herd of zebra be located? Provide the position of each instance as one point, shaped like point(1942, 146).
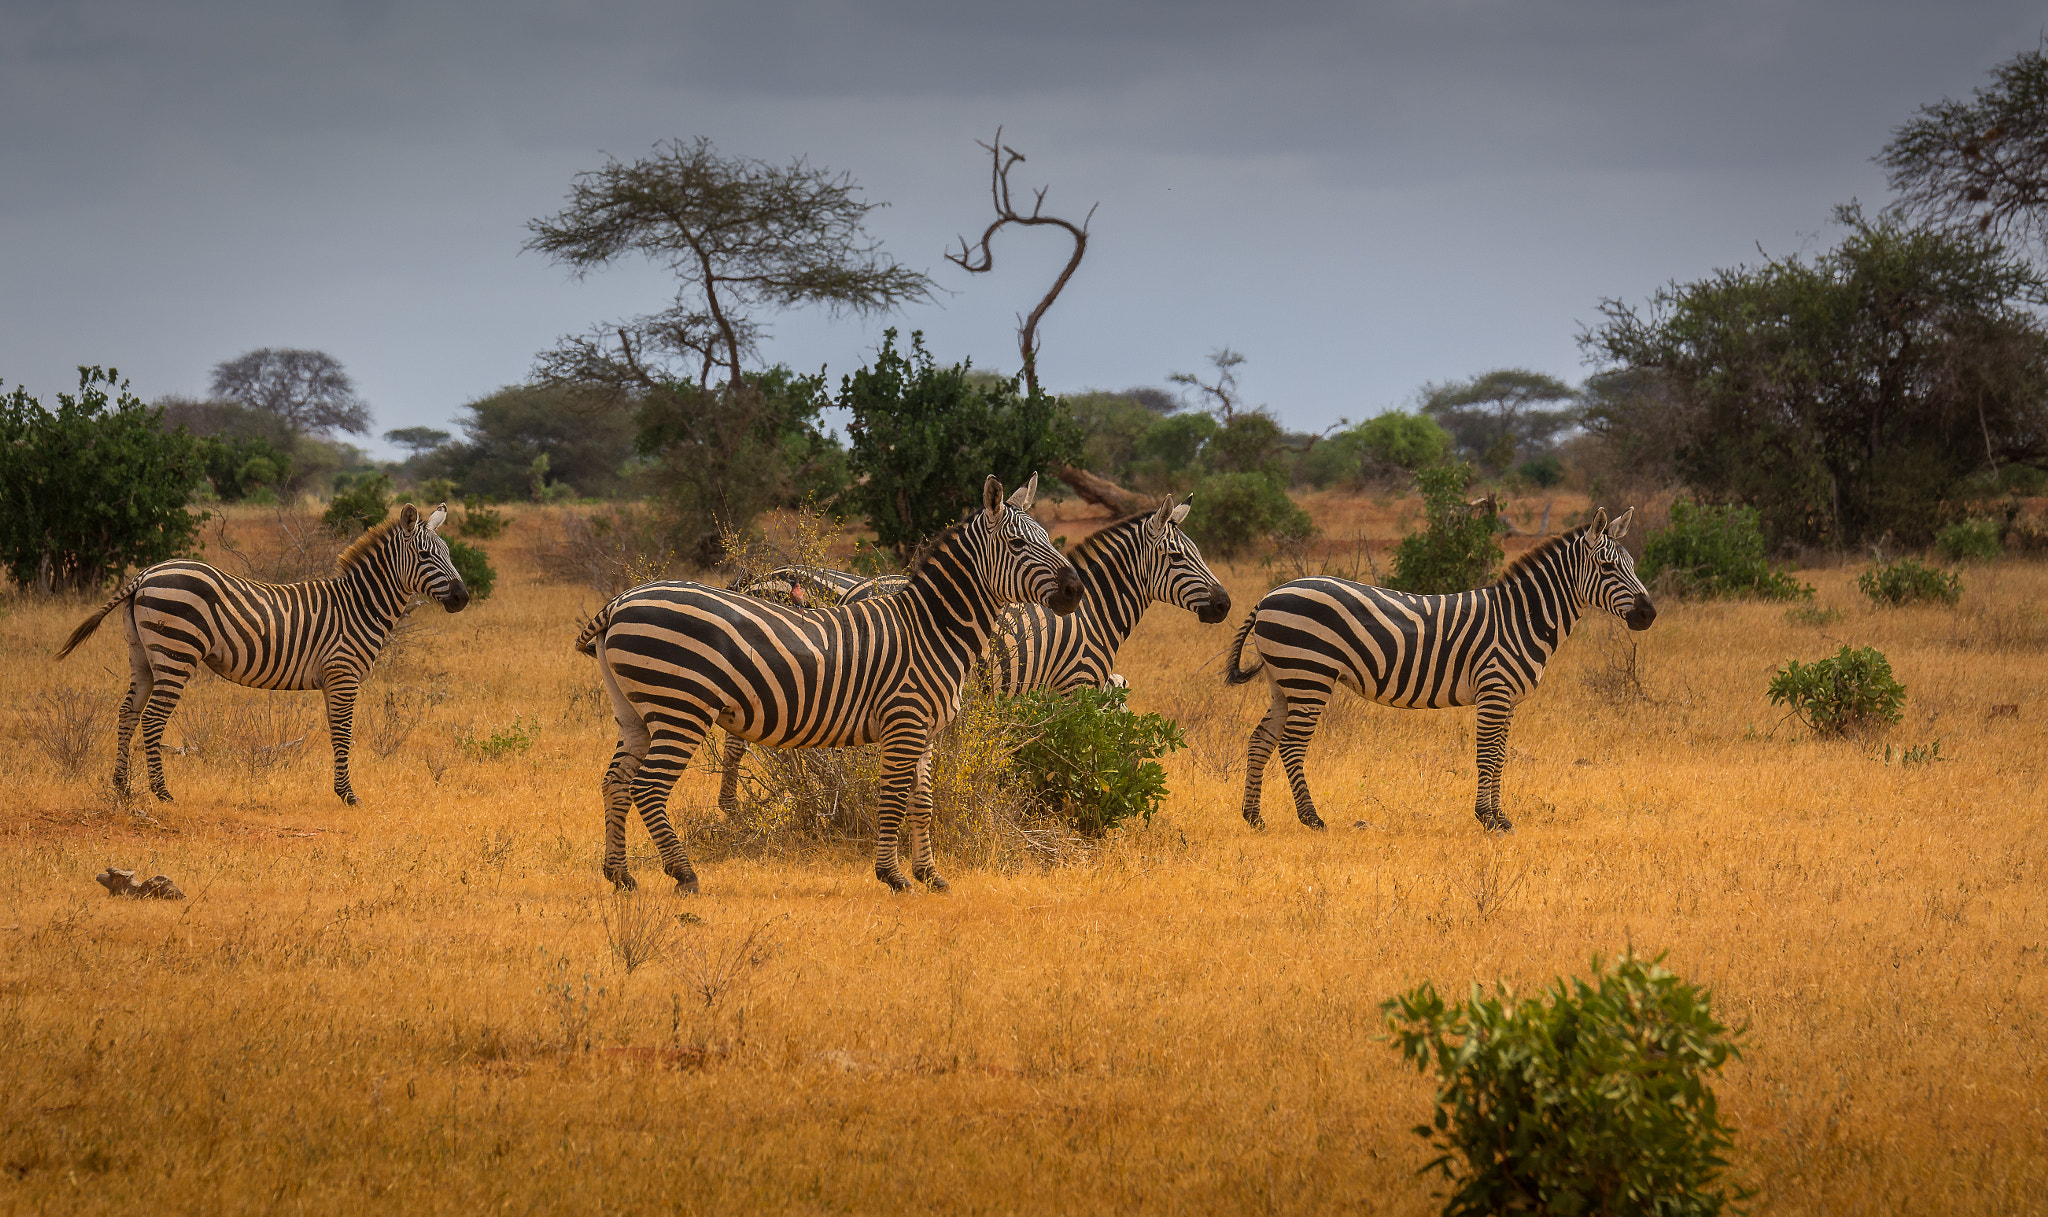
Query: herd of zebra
point(884, 660)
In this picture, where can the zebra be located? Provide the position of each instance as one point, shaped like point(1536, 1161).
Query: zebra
point(679, 657)
point(322, 634)
point(810, 586)
point(1124, 567)
point(1486, 647)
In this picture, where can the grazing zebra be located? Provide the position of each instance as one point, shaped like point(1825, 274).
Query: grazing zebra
point(1486, 647)
point(679, 657)
point(1124, 568)
point(322, 634)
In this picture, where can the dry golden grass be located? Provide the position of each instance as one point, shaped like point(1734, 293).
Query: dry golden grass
point(424, 1003)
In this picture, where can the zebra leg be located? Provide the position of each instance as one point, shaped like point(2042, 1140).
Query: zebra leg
point(671, 745)
point(729, 763)
point(1496, 708)
point(902, 755)
point(921, 867)
point(1302, 717)
point(163, 699)
point(341, 685)
point(141, 682)
point(1260, 750)
point(617, 786)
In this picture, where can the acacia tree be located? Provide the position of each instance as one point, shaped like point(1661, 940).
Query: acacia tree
point(739, 235)
point(305, 391)
point(1497, 414)
point(1983, 162)
point(1848, 396)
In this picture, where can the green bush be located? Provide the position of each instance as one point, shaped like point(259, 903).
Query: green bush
point(94, 487)
point(1716, 551)
point(1855, 689)
point(1592, 1101)
point(480, 520)
point(238, 466)
point(1967, 539)
point(359, 506)
point(1893, 584)
point(1541, 471)
point(1457, 550)
point(478, 575)
point(1236, 509)
point(1088, 758)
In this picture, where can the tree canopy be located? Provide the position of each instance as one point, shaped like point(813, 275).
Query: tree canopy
point(1983, 162)
point(1494, 416)
point(306, 391)
point(1847, 396)
point(739, 235)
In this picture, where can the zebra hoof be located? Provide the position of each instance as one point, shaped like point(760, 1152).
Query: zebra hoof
point(622, 879)
point(1257, 821)
point(1497, 823)
point(348, 797)
point(1311, 820)
point(894, 878)
point(162, 795)
point(933, 880)
point(686, 884)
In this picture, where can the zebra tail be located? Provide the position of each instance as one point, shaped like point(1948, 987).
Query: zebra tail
point(85, 628)
point(586, 642)
point(1231, 674)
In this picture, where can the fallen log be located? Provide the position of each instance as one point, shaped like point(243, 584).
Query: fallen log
point(1104, 493)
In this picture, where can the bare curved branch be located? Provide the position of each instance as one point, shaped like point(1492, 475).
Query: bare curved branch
point(976, 259)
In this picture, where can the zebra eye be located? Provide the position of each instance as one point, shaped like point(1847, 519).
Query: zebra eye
point(1017, 545)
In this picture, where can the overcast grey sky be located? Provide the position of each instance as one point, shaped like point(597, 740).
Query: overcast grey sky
point(1358, 197)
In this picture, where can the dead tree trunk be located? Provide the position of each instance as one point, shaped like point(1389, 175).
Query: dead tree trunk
point(1104, 493)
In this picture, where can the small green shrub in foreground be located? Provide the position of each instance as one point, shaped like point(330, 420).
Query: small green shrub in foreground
point(1965, 540)
point(478, 575)
point(1716, 551)
point(1854, 689)
point(1892, 584)
point(1593, 1099)
point(1089, 759)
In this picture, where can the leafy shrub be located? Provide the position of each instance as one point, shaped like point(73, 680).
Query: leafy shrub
point(239, 466)
point(1237, 509)
point(500, 743)
point(1893, 584)
point(1854, 689)
point(1386, 444)
point(480, 520)
point(1543, 471)
point(1592, 1101)
point(1716, 551)
point(1088, 758)
point(1456, 551)
point(1172, 444)
point(93, 487)
point(359, 506)
point(1967, 539)
point(1813, 615)
point(478, 575)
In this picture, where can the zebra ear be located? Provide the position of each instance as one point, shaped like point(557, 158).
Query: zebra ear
point(1181, 512)
point(1026, 494)
point(1160, 517)
point(440, 514)
point(992, 498)
point(408, 516)
point(1619, 528)
point(1598, 527)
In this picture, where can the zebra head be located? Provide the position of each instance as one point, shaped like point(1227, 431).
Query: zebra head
point(1608, 579)
point(1021, 566)
point(424, 567)
point(1171, 570)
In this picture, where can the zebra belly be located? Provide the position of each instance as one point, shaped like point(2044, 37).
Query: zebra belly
point(1409, 652)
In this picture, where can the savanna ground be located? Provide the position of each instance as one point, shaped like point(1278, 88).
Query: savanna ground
point(416, 1005)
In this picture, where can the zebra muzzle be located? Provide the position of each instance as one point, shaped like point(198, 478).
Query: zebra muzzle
point(1641, 614)
point(1216, 609)
point(1066, 596)
point(457, 599)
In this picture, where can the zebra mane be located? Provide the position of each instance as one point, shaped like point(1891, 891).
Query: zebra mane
point(365, 543)
point(1543, 549)
point(1100, 537)
point(927, 549)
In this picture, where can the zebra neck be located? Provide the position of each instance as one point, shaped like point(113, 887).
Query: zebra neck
point(948, 598)
point(1109, 581)
point(1537, 606)
point(370, 586)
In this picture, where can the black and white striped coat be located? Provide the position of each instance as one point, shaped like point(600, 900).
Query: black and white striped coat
point(678, 658)
point(322, 634)
point(1125, 567)
point(1486, 647)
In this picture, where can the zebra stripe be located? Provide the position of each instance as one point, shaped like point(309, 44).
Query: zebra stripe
point(679, 657)
point(1486, 647)
point(1124, 568)
point(322, 634)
